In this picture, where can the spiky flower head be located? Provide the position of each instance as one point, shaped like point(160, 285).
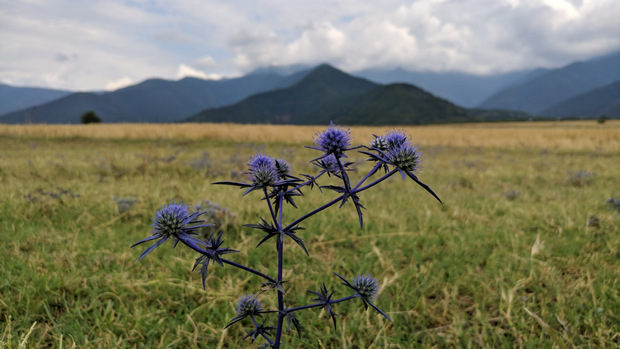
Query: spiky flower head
point(399, 150)
point(174, 221)
point(405, 156)
point(379, 142)
point(171, 219)
point(396, 138)
point(366, 286)
point(282, 168)
point(335, 140)
point(330, 163)
point(263, 170)
point(248, 305)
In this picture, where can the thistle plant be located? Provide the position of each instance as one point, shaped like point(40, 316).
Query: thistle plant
point(274, 183)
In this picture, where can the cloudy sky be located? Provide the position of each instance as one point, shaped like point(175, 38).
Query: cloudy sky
point(106, 44)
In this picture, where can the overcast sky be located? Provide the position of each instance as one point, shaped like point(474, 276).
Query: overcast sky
point(94, 45)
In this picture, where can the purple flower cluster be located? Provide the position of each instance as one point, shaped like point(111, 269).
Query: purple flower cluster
point(335, 140)
point(266, 171)
point(366, 286)
point(248, 305)
point(394, 152)
point(263, 170)
point(398, 150)
point(177, 222)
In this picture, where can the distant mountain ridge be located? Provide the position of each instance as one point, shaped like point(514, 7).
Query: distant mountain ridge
point(13, 98)
point(153, 100)
point(538, 94)
point(328, 94)
point(290, 105)
point(466, 90)
point(601, 101)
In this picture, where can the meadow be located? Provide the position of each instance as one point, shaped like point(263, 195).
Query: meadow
point(522, 254)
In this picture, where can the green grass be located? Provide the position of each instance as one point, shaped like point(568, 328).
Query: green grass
point(465, 274)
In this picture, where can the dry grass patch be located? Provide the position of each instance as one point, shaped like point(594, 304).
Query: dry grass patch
point(566, 135)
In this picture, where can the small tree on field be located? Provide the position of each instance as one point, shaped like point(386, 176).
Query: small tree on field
point(90, 117)
point(602, 119)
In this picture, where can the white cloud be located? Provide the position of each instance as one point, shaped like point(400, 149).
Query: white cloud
point(120, 83)
point(475, 36)
point(80, 45)
point(187, 71)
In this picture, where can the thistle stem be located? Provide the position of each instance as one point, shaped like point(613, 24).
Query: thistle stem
point(262, 334)
point(345, 176)
point(305, 183)
point(319, 304)
point(248, 269)
point(280, 265)
point(372, 172)
point(267, 338)
point(379, 180)
point(313, 212)
point(273, 215)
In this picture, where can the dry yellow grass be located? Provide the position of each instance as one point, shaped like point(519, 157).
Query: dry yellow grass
point(568, 135)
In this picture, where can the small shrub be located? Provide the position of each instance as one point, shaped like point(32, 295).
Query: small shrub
point(90, 117)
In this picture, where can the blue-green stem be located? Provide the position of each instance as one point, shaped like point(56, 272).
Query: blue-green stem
point(240, 266)
point(262, 334)
point(379, 180)
point(280, 267)
point(320, 304)
point(372, 172)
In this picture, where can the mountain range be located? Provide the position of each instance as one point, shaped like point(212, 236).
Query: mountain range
point(154, 100)
point(328, 94)
point(17, 98)
point(540, 94)
point(467, 90)
point(302, 94)
point(600, 101)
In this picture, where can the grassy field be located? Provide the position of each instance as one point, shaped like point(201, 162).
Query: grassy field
point(513, 259)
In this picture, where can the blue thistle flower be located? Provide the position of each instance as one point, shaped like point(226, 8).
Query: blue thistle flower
point(335, 140)
point(263, 170)
point(405, 157)
point(248, 305)
point(174, 221)
point(395, 149)
point(282, 168)
point(379, 142)
point(401, 153)
point(329, 165)
point(366, 288)
point(396, 138)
